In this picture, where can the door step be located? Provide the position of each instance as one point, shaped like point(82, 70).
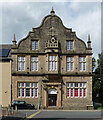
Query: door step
point(53, 107)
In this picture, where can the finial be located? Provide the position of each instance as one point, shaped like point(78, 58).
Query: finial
point(14, 37)
point(89, 41)
point(52, 12)
point(88, 37)
point(14, 41)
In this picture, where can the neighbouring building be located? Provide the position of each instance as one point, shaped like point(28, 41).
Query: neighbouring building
point(52, 67)
point(5, 75)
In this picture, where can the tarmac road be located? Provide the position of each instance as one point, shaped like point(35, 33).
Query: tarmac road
point(55, 115)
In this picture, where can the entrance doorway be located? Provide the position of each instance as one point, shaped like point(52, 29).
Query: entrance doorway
point(52, 97)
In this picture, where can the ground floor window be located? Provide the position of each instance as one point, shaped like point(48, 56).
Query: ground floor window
point(27, 89)
point(76, 89)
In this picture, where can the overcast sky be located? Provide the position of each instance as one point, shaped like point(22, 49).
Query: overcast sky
point(83, 17)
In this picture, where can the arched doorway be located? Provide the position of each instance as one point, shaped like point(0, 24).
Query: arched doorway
point(52, 97)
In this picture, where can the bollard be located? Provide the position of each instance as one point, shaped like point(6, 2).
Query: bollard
point(8, 109)
point(12, 110)
point(16, 108)
point(26, 115)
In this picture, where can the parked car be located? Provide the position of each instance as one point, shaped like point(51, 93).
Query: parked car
point(21, 105)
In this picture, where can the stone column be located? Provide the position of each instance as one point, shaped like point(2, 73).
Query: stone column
point(59, 96)
point(45, 98)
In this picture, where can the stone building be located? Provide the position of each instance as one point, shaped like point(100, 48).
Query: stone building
point(52, 67)
point(5, 75)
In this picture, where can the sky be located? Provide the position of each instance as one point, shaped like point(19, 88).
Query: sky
point(83, 17)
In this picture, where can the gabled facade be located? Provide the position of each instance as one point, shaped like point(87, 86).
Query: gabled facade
point(52, 67)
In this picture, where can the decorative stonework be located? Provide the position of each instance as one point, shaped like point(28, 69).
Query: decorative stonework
point(53, 43)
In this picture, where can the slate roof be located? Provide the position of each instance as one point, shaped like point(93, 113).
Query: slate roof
point(5, 50)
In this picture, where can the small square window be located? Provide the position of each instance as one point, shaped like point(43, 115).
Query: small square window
point(71, 59)
point(22, 84)
point(84, 59)
point(68, 59)
point(32, 84)
point(80, 59)
point(36, 58)
point(19, 58)
point(76, 84)
point(67, 84)
point(71, 84)
point(55, 58)
point(32, 59)
point(84, 84)
point(36, 84)
point(23, 58)
point(19, 84)
point(80, 84)
point(27, 84)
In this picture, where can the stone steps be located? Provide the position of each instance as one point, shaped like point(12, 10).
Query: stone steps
point(53, 108)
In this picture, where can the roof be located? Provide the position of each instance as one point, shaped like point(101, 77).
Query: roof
point(5, 52)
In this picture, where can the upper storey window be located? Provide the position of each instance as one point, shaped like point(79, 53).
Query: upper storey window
point(69, 44)
point(21, 63)
point(82, 63)
point(34, 44)
point(52, 63)
point(34, 63)
point(69, 63)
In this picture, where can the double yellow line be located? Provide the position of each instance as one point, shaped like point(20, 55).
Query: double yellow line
point(31, 116)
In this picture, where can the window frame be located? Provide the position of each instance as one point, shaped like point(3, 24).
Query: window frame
point(73, 88)
point(69, 43)
point(22, 90)
point(81, 63)
point(34, 47)
point(21, 62)
point(34, 62)
point(52, 63)
point(70, 62)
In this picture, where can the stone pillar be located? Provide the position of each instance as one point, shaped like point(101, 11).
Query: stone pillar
point(45, 98)
point(59, 96)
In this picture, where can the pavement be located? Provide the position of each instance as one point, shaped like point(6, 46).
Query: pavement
point(56, 115)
